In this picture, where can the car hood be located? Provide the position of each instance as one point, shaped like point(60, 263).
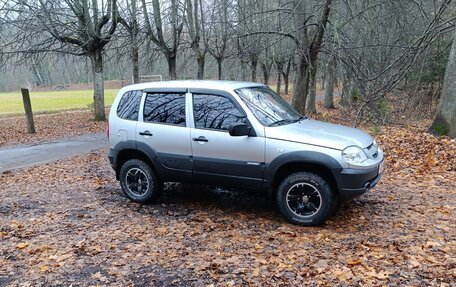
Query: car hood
point(320, 133)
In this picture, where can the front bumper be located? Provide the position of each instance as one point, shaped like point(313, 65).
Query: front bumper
point(355, 182)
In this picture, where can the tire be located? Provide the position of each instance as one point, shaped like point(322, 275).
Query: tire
point(139, 182)
point(306, 199)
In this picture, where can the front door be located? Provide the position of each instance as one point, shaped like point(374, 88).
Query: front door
point(219, 158)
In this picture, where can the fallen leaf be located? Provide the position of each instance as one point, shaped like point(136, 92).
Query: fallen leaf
point(22, 245)
point(354, 262)
point(44, 268)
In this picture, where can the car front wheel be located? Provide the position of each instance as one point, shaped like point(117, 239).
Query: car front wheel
point(306, 199)
point(139, 182)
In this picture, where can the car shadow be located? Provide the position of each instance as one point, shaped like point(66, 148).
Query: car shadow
point(227, 199)
point(182, 199)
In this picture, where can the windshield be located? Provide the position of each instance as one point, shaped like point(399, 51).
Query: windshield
point(268, 107)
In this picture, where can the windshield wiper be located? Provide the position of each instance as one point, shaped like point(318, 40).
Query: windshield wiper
point(287, 121)
point(283, 122)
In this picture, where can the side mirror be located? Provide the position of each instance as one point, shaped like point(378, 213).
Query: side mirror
point(239, 129)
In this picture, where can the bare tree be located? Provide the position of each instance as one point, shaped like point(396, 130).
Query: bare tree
point(308, 51)
point(219, 33)
point(267, 62)
point(376, 53)
point(197, 33)
point(287, 71)
point(129, 20)
point(166, 37)
point(74, 27)
point(283, 62)
point(330, 82)
point(250, 44)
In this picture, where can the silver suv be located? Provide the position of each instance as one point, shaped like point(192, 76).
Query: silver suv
point(237, 134)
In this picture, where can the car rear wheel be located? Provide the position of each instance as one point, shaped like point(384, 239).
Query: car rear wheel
point(306, 199)
point(139, 182)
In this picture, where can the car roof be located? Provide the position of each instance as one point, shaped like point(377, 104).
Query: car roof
point(195, 84)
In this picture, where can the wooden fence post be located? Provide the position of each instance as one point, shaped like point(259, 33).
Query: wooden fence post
point(28, 111)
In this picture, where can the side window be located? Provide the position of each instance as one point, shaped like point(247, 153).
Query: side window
point(128, 107)
point(165, 108)
point(215, 112)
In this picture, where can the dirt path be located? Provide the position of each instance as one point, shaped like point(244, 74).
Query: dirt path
point(29, 155)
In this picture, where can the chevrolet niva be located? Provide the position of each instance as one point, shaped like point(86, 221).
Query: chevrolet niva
point(240, 134)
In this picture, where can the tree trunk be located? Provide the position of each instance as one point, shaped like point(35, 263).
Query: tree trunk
point(445, 118)
point(98, 85)
point(279, 80)
point(266, 71)
point(346, 97)
point(171, 59)
point(219, 67)
point(135, 57)
point(254, 70)
point(330, 84)
point(286, 75)
point(323, 80)
point(311, 107)
point(279, 67)
point(201, 61)
point(38, 77)
point(243, 70)
point(134, 41)
point(301, 85)
point(287, 82)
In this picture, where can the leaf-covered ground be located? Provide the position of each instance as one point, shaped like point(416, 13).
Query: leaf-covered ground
point(48, 127)
point(68, 223)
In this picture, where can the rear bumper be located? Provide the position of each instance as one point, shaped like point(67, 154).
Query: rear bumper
point(355, 182)
point(112, 156)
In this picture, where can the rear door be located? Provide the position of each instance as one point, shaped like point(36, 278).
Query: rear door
point(162, 128)
point(219, 158)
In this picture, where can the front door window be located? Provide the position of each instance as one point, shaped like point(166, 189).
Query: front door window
point(215, 112)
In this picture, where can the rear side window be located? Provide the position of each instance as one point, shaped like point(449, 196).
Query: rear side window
point(128, 107)
point(165, 108)
point(215, 112)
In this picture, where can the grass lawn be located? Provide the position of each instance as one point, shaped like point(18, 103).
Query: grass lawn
point(51, 101)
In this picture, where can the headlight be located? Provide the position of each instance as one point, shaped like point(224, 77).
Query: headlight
point(354, 154)
point(375, 144)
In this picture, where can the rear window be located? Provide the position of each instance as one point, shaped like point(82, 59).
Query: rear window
point(165, 108)
point(128, 107)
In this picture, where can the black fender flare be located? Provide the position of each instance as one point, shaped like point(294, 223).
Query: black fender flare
point(136, 146)
point(309, 157)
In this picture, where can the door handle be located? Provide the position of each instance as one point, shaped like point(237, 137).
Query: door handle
point(200, 139)
point(145, 133)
